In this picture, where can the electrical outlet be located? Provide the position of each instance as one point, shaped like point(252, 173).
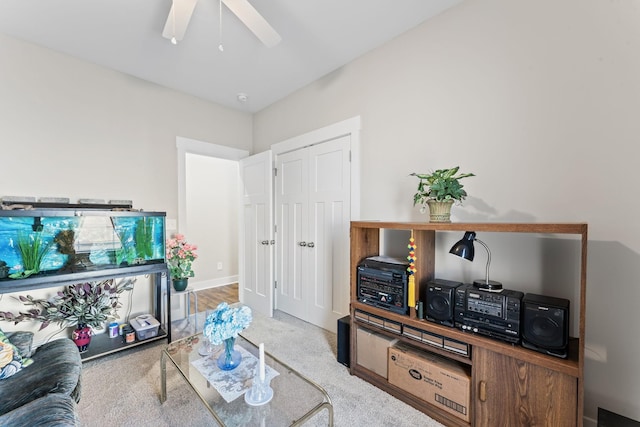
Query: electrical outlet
point(219, 265)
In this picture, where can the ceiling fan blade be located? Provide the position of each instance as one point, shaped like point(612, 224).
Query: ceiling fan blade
point(178, 19)
point(254, 21)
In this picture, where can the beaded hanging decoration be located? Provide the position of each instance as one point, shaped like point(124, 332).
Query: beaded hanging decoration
point(411, 269)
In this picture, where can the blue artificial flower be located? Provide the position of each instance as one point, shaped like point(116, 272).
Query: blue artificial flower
point(226, 322)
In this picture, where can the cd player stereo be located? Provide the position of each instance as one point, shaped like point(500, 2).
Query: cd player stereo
point(382, 282)
point(495, 314)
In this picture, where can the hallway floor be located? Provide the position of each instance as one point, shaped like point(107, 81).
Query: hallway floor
point(208, 299)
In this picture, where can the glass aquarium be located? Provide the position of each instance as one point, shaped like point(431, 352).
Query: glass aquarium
point(49, 242)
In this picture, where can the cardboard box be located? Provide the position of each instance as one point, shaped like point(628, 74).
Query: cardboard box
point(372, 350)
point(442, 382)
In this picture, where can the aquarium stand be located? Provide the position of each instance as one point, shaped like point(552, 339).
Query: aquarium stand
point(86, 243)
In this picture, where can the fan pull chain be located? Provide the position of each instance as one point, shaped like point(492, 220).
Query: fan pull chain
point(220, 47)
point(173, 39)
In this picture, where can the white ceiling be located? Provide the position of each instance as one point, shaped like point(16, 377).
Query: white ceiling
point(318, 36)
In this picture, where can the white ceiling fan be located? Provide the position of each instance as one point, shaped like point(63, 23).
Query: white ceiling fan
point(181, 11)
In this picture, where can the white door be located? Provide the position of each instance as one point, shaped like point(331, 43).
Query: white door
point(256, 240)
point(329, 216)
point(312, 219)
point(291, 216)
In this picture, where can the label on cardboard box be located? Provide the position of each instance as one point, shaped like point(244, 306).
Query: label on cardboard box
point(371, 351)
point(442, 382)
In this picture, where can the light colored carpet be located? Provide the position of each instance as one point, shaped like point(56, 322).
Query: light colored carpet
point(123, 389)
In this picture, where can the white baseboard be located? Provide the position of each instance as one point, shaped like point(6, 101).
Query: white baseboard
point(213, 283)
point(589, 422)
point(178, 305)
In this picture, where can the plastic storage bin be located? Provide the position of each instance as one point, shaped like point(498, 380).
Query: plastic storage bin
point(146, 326)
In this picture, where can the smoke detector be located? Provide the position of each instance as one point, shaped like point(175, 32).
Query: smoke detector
point(242, 97)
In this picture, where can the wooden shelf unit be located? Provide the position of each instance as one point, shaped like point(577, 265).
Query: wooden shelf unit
point(541, 389)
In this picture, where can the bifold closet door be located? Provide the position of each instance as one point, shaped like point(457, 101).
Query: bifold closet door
point(292, 177)
point(312, 217)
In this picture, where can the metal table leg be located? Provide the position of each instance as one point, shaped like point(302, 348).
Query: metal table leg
point(163, 376)
point(195, 315)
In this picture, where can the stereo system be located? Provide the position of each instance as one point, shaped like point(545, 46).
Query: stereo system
point(495, 314)
point(382, 282)
point(539, 322)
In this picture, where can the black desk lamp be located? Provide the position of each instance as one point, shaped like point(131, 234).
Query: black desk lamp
point(464, 249)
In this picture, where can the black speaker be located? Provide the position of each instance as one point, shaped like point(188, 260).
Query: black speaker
point(440, 301)
point(611, 419)
point(344, 343)
point(545, 324)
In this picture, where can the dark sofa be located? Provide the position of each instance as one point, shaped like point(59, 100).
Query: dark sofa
point(44, 393)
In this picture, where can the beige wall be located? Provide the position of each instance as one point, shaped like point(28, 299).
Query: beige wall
point(540, 99)
point(70, 128)
point(212, 214)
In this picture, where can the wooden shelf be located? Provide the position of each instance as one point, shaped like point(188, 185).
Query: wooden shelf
point(495, 365)
point(493, 227)
point(569, 366)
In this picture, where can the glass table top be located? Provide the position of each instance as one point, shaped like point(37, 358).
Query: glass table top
point(295, 397)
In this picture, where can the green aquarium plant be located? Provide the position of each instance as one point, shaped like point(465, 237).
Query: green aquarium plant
point(126, 252)
point(32, 247)
point(144, 238)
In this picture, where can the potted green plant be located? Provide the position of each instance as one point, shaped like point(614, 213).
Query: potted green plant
point(180, 256)
point(84, 305)
point(439, 190)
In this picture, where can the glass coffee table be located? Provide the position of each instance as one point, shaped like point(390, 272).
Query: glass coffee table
point(295, 398)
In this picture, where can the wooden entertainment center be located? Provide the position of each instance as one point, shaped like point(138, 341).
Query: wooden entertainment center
point(510, 385)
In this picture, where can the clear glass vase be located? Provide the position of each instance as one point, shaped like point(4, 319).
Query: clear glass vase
point(230, 358)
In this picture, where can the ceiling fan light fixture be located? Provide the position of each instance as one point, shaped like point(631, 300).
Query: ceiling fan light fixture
point(254, 21)
point(182, 10)
point(178, 19)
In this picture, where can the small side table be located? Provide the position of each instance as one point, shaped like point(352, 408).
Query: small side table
point(187, 292)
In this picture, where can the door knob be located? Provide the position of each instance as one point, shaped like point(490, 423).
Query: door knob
point(265, 242)
point(311, 244)
point(302, 243)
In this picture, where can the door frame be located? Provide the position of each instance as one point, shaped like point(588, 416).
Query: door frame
point(192, 146)
point(187, 146)
point(346, 127)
